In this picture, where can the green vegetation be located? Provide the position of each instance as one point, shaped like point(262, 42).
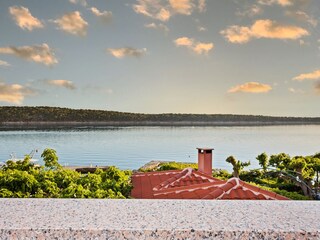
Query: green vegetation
point(289, 177)
point(237, 165)
point(24, 179)
point(54, 114)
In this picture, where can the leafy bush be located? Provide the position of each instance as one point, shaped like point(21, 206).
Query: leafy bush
point(176, 166)
point(221, 174)
point(24, 179)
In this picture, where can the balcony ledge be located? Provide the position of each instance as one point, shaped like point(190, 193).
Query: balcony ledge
point(158, 219)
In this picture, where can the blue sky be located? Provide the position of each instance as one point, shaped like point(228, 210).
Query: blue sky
point(159, 56)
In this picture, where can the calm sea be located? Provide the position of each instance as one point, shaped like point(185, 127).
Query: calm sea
point(132, 147)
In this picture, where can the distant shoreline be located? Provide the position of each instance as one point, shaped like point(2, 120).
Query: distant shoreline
point(71, 124)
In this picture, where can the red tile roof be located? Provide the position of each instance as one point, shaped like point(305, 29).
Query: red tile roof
point(191, 184)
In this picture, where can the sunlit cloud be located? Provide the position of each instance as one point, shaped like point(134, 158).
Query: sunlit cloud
point(163, 10)
point(72, 23)
point(105, 15)
point(263, 29)
point(14, 93)
point(251, 87)
point(24, 18)
point(61, 83)
point(82, 2)
point(308, 76)
point(197, 47)
point(159, 26)
point(182, 6)
point(283, 3)
point(127, 52)
point(38, 53)
point(4, 64)
point(153, 9)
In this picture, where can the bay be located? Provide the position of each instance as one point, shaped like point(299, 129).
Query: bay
point(132, 147)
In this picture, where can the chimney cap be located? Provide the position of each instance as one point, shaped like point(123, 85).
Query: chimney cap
point(205, 149)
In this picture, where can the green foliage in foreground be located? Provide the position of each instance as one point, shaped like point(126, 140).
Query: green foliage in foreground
point(23, 179)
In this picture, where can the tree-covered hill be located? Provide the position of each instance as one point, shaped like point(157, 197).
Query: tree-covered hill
point(27, 115)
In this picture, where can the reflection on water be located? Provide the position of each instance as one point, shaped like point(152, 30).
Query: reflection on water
point(131, 147)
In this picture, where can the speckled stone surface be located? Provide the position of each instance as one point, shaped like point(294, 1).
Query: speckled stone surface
point(158, 219)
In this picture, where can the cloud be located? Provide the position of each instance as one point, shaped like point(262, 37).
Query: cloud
point(159, 26)
point(197, 47)
point(4, 64)
point(251, 87)
point(202, 29)
point(14, 93)
point(263, 29)
point(72, 23)
point(163, 10)
point(82, 2)
point(182, 6)
point(202, 6)
point(61, 83)
point(24, 19)
point(308, 76)
point(250, 11)
point(153, 9)
point(105, 15)
point(303, 16)
point(296, 91)
point(38, 53)
point(283, 3)
point(127, 52)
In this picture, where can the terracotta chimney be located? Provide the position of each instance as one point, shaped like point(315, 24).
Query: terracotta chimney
point(205, 160)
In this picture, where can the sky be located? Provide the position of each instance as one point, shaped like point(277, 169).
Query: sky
point(259, 57)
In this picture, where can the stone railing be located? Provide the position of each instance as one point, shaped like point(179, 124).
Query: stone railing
point(158, 219)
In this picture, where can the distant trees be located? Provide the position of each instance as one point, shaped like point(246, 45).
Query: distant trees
point(55, 114)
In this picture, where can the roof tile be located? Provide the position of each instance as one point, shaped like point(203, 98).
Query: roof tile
point(191, 184)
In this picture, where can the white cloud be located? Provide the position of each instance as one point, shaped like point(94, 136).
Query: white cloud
point(202, 5)
point(127, 52)
point(105, 15)
point(202, 29)
point(308, 76)
point(296, 91)
point(82, 2)
point(159, 26)
point(197, 47)
point(303, 16)
point(263, 29)
point(72, 23)
point(251, 87)
point(251, 11)
point(38, 53)
point(4, 64)
point(24, 19)
point(14, 93)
